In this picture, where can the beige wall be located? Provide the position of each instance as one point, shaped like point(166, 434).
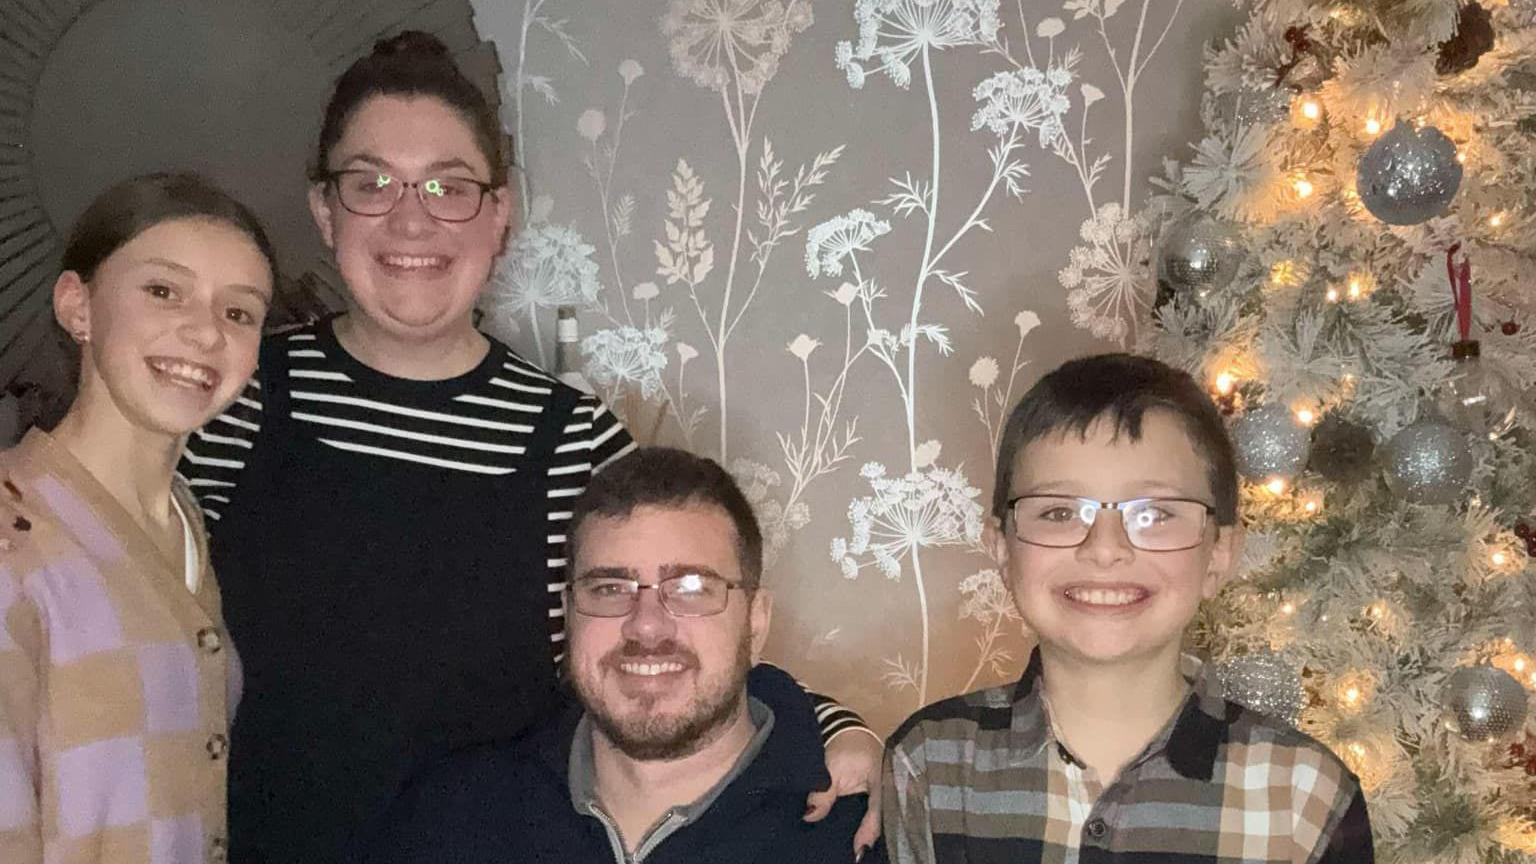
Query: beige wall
point(776, 340)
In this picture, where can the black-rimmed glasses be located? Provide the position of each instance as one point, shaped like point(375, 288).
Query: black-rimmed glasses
point(686, 595)
point(1151, 524)
point(376, 193)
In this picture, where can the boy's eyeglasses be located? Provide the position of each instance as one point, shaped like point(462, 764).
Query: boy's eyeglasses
point(1151, 524)
point(686, 595)
point(375, 193)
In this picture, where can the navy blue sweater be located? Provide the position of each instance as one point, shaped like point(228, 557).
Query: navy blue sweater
point(512, 803)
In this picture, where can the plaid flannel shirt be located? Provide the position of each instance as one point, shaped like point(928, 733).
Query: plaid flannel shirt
point(979, 778)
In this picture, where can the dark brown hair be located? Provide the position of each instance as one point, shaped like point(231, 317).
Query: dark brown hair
point(138, 204)
point(410, 64)
point(667, 477)
point(1121, 389)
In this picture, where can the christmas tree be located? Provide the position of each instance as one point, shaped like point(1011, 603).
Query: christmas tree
point(1349, 259)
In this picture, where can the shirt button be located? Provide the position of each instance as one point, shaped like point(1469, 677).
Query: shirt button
point(208, 640)
point(218, 850)
point(1097, 829)
point(218, 745)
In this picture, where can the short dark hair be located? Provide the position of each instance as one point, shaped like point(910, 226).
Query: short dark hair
point(138, 204)
point(668, 477)
point(1119, 388)
point(410, 64)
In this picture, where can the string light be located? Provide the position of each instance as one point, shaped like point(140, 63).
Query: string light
point(1287, 608)
point(1376, 611)
point(1311, 110)
point(1225, 382)
point(1306, 416)
point(1312, 502)
point(1332, 295)
point(1372, 126)
point(1498, 558)
point(1303, 188)
point(1276, 485)
point(1495, 220)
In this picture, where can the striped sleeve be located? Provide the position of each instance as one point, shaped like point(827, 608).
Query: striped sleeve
point(216, 454)
point(592, 438)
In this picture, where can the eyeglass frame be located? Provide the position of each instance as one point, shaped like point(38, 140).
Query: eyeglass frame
point(330, 177)
point(570, 590)
point(1100, 507)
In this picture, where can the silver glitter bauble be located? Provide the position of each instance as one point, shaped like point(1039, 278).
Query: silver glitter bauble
point(1428, 462)
point(1263, 682)
point(1198, 253)
point(1261, 106)
point(1408, 176)
point(1270, 443)
point(1484, 703)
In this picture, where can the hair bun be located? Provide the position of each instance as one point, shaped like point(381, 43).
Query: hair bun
point(410, 42)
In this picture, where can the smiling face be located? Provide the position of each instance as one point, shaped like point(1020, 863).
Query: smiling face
point(412, 276)
point(173, 324)
point(658, 686)
point(1105, 601)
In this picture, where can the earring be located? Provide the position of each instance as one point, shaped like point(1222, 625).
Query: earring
point(81, 337)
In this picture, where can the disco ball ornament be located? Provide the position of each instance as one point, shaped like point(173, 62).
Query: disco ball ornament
point(1198, 253)
point(1484, 703)
point(1408, 176)
point(1263, 682)
point(1270, 443)
point(1428, 462)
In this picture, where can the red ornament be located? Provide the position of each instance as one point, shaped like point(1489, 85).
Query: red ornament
point(1510, 328)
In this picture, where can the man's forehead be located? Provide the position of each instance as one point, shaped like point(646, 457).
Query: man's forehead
point(650, 535)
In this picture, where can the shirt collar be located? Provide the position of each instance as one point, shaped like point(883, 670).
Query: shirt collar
point(1190, 740)
point(582, 769)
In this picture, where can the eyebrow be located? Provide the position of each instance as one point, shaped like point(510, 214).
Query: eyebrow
point(1150, 489)
point(440, 165)
point(665, 571)
point(266, 296)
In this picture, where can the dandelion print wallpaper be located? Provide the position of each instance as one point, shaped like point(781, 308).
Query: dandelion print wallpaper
point(829, 245)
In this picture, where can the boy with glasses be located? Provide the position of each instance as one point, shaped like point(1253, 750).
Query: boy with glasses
point(667, 758)
point(1115, 515)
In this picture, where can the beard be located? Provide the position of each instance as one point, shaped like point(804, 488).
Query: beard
point(644, 733)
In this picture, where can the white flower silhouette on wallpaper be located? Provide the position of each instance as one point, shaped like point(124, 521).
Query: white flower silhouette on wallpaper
point(1106, 279)
point(895, 33)
point(714, 42)
point(547, 265)
point(827, 244)
point(627, 357)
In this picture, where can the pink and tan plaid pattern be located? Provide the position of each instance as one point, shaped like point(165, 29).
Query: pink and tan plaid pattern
point(980, 779)
point(117, 684)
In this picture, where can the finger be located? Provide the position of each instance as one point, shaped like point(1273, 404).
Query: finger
point(869, 828)
point(819, 804)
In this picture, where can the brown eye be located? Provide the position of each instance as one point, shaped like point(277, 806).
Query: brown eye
point(158, 291)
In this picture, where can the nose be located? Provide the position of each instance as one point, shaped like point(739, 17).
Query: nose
point(1107, 543)
point(649, 623)
point(202, 328)
point(410, 217)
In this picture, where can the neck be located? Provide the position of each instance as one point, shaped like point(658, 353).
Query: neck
point(1106, 714)
point(448, 354)
point(133, 464)
point(637, 793)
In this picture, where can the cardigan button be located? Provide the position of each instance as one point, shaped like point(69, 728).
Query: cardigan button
point(1097, 828)
point(218, 745)
point(218, 850)
point(208, 640)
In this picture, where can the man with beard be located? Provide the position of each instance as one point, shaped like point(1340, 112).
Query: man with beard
point(665, 758)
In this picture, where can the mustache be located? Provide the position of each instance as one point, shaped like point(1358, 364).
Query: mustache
point(667, 650)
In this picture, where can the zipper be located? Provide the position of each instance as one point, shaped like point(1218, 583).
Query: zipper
point(615, 841)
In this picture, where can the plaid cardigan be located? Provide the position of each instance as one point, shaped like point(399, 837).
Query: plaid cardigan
point(117, 684)
point(980, 779)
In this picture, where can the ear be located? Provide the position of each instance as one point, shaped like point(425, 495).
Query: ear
point(1225, 556)
point(994, 537)
point(502, 213)
point(760, 616)
point(320, 208)
point(72, 304)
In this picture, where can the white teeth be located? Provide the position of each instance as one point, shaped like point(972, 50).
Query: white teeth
point(650, 669)
point(187, 374)
point(1105, 596)
point(414, 262)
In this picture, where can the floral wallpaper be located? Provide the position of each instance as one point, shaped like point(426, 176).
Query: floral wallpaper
point(830, 245)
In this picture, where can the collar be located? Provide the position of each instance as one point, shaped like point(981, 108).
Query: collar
point(581, 771)
point(1191, 739)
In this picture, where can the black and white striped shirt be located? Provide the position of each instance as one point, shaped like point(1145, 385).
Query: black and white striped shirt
point(479, 423)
